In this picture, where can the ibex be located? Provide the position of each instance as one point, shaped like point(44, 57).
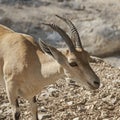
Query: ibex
point(26, 69)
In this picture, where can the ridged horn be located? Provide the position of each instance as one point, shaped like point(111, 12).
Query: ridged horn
point(63, 34)
point(74, 33)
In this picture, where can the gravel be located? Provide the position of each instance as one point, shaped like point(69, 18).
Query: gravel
point(71, 101)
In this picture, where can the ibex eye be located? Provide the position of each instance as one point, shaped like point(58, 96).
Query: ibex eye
point(73, 64)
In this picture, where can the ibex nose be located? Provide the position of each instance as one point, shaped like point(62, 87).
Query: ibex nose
point(97, 84)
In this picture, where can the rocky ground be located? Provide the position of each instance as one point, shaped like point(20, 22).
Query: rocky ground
point(99, 27)
point(70, 101)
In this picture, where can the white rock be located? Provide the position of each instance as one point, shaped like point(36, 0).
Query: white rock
point(77, 118)
point(70, 102)
point(42, 116)
point(1, 111)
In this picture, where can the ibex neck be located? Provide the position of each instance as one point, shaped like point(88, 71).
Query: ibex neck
point(51, 71)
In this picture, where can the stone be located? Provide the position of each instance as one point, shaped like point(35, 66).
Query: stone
point(77, 118)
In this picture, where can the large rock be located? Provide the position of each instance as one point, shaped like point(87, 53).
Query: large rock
point(99, 26)
point(102, 40)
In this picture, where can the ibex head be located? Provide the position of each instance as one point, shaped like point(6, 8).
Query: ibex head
point(76, 60)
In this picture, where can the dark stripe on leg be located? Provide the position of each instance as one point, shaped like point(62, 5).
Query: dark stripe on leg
point(17, 103)
point(35, 101)
point(17, 114)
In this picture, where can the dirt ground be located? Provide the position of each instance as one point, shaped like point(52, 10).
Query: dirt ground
point(65, 100)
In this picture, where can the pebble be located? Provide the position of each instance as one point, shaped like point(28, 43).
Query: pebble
point(1, 111)
point(42, 116)
point(77, 118)
point(70, 103)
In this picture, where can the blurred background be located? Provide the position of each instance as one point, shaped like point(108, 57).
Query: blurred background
point(97, 21)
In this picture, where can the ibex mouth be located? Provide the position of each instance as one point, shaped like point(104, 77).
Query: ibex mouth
point(91, 86)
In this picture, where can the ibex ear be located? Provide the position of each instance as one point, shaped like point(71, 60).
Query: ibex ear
point(57, 55)
point(44, 47)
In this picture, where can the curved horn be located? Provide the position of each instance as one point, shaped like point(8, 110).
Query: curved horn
point(75, 35)
point(63, 35)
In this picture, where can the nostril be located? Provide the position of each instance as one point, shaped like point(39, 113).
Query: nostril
point(96, 83)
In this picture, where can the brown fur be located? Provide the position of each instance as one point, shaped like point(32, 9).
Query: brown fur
point(21, 60)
